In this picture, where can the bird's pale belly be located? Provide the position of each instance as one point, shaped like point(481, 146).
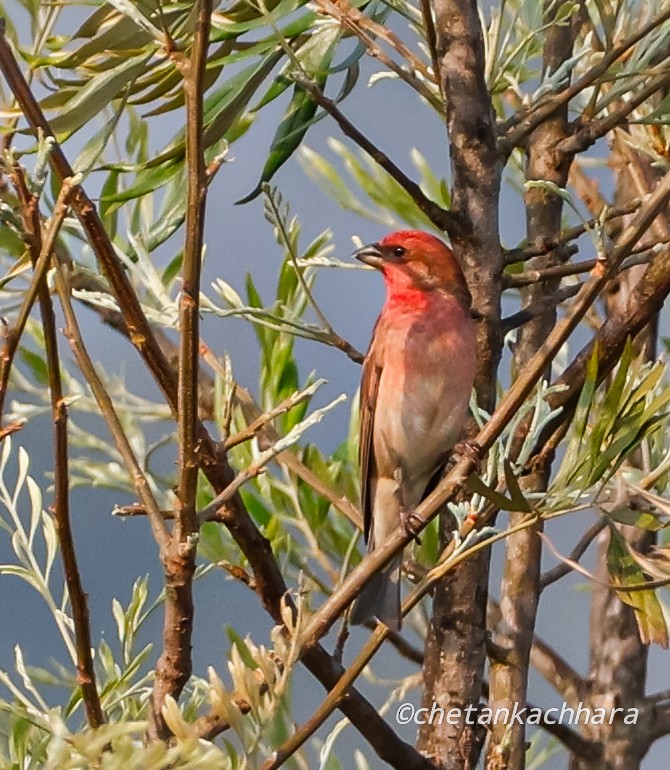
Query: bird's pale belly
point(419, 423)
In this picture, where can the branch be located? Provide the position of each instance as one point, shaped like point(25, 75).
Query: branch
point(366, 30)
point(41, 266)
point(589, 134)
point(539, 307)
point(639, 256)
point(560, 570)
point(78, 597)
point(175, 663)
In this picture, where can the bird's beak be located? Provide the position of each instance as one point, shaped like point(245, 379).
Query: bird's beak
point(370, 255)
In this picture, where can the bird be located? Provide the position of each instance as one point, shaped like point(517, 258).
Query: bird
point(417, 379)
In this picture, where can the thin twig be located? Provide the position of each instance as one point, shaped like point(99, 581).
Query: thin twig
point(13, 336)
point(560, 570)
point(639, 256)
point(333, 338)
point(108, 411)
point(257, 425)
point(78, 597)
point(366, 30)
point(431, 37)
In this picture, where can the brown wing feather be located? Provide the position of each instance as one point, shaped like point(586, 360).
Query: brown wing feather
point(372, 371)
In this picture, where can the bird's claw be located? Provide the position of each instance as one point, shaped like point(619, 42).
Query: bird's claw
point(411, 524)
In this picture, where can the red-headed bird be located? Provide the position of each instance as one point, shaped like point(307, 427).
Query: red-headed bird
point(417, 379)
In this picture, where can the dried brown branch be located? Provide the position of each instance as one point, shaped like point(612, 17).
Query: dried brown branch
point(40, 243)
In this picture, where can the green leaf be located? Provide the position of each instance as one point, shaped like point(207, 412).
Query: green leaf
point(625, 571)
point(475, 484)
point(95, 146)
point(314, 57)
point(238, 641)
point(37, 365)
point(146, 181)
point(123, 35)
point(641, 519)
point(518, 499)
point(99, 92)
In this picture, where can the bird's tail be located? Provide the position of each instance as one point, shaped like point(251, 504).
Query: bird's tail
point(380, 598)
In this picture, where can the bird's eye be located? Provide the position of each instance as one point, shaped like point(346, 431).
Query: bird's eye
point(399, 251)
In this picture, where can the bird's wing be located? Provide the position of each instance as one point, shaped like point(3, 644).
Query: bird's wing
point(372, 371)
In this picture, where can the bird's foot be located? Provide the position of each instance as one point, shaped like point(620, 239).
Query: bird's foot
point(470, 449)
point(411, 524)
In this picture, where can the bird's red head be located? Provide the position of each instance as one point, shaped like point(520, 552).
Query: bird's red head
point(416, 262)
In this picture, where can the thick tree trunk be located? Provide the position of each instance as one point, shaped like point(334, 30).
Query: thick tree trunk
point(455, 647)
